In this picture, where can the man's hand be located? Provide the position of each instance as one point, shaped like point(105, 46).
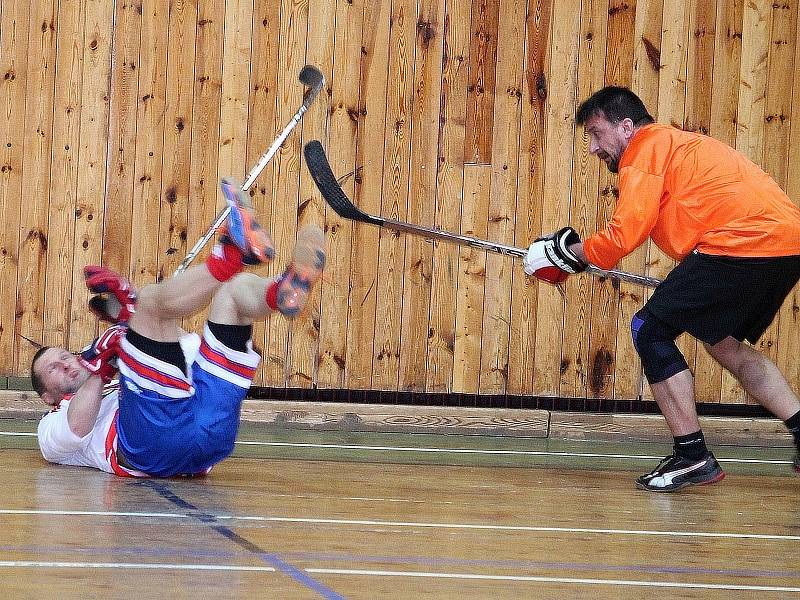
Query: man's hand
point(550, 259)
point(120, 304)
point(100, 357)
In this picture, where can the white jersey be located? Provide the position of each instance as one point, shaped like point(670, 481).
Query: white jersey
point(98, 448)
point(59, 444)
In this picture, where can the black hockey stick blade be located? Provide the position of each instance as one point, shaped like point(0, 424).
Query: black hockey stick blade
point(312, 77)
point(334, 195)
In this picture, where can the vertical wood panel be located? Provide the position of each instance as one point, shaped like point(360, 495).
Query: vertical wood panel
point(150, 117)
point(481, 86)
point(64, 174)
point(394, 197)
point(92, 157)
point(344, 129)
point(422, 190)
point(205, 197)
point(263, 127)
point(13, 70)
point(305, 330)
point(125, 68)
point(371, 112)
point(502, 205)
point(286, 173)
point(585, 181)
point(556, 194)
point(449, 197)
point(177, 135)
point(605, 299)
point(471, 280)
point(522, 339)
point(33, 222)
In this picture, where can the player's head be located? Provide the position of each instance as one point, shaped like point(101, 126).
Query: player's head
point(611, 116)
point(56, 372)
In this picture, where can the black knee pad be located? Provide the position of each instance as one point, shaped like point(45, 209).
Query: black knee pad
point(655, 343)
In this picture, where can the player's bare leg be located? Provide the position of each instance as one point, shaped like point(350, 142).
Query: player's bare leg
point(759, 376)
point(675, 399)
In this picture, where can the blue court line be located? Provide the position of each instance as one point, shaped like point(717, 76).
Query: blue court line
point(271, 559)
point(354, 559)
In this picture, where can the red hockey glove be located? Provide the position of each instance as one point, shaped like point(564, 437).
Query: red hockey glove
point(120, 304)
point(100, 357)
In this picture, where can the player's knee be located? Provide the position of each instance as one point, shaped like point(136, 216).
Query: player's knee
point(655, 344)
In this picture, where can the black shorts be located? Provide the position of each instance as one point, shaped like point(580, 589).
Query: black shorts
point(713, 297)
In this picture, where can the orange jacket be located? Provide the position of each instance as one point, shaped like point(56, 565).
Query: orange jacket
point(687, 191)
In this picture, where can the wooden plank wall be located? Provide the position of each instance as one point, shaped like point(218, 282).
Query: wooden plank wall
point(118, 119)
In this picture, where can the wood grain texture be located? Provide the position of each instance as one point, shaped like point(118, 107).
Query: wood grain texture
point(120, 117)
point(394, 194)
point(471, 281)
point(581, 318)
point(344, 130)
point(36, 160)
point(450, 206)
point(530, 190)
point(14, 68)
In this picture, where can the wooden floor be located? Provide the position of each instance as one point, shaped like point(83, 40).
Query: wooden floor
point(371, 522)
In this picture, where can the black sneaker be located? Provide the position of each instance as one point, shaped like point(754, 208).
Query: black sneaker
point(796, 463)
point(675, 472)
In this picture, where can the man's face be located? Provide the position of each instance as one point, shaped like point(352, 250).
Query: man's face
point(61, 373)
point(608, 140)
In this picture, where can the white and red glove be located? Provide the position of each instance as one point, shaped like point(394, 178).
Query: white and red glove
point(550, 259)
point(100, 357)
point(115, 299)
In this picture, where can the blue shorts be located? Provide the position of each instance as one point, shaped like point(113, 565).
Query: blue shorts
point(173, 424)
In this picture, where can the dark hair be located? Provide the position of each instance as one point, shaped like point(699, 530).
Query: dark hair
point(615, 104)
point(36, 381)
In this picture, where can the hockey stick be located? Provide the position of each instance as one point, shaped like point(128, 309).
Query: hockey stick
point(310, 77)
point(323, 176)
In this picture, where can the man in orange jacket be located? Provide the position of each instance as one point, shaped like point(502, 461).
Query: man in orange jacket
point(737, 237)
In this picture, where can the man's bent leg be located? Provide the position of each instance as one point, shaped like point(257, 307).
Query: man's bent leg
point(762, 379)
point(759, 376)
point(161, 304)
point(675, 399)
point(672, 383)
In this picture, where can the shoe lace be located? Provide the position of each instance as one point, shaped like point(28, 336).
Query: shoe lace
point(664, 464)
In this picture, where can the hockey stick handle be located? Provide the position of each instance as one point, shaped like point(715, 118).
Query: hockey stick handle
point(331, 190)
point(497, 248)
point(256, 170)
point(248, 182)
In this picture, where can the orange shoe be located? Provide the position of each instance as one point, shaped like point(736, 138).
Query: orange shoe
point(241, 229)
point(289, 292)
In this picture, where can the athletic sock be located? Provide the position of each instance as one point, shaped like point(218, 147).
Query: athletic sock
point(224, 262)
point(271, 296)
point(691, 446)
point(793, 424)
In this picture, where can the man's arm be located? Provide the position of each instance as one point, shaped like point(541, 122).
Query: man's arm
point(85, 405)
point(99, 358)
